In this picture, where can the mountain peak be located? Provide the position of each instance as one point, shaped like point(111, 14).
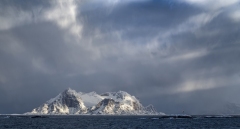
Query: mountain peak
point(118, 96)
point(69, 90)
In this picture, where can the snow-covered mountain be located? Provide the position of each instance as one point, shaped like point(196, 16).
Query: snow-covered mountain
point(117, 103)
point(67, 102)
point(110, 103)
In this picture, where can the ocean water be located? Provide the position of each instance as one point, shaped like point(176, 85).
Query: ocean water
point(118, 122)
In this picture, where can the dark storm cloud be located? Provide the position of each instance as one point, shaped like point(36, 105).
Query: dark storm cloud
point(170, 53)
point(136, 18)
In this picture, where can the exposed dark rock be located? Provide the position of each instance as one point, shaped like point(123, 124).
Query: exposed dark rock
point(39, 117)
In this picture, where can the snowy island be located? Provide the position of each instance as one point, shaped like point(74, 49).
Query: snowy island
point(70, 102)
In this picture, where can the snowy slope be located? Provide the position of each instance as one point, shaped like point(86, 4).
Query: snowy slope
point(118, 103)
point(67, 102)
point(90, 99)
point(110, 103)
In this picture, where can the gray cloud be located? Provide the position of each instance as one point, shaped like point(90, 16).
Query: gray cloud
point(171, 54)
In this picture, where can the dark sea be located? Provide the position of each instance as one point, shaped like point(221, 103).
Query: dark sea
point(118, 122)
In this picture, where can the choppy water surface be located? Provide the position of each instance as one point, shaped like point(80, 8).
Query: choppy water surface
point(118, 122)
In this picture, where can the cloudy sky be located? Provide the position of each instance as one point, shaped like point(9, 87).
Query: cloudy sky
point(175, 54)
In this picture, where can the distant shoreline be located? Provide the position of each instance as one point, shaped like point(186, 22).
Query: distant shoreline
point(172, 116)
